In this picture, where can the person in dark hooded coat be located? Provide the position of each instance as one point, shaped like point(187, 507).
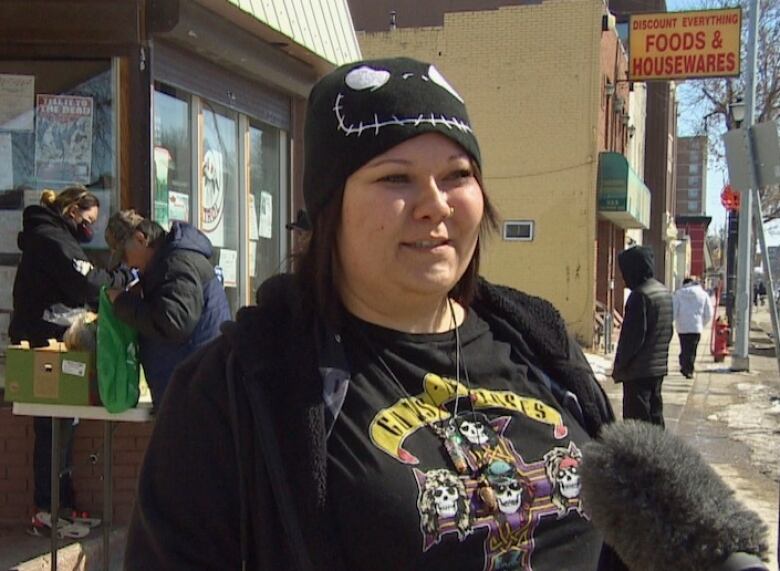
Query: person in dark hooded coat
point(642, 356)
point(55, 269)
point(180, 302)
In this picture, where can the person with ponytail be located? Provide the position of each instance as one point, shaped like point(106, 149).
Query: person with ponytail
point(54, 269)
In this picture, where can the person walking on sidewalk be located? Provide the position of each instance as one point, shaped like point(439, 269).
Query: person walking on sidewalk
point(692, 312)
point(641, 359)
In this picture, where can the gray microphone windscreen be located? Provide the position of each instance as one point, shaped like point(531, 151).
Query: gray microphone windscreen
point(660, 505)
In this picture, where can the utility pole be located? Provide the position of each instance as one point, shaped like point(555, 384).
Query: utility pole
point(731, 268)
point(740, 360)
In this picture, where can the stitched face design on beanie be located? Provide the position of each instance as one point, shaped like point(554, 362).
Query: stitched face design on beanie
point(362, 109)
point(374, 98)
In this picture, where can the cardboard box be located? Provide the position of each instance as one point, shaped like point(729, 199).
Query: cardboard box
point(50, 375)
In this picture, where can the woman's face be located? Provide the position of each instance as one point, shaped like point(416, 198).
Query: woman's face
point(137, 253)
point(88, 216)
point(398, 235)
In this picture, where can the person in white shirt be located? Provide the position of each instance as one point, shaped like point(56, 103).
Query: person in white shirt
point(692, 312)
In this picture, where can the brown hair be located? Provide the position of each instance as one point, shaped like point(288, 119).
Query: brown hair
point(69, 196)
point(316, 264)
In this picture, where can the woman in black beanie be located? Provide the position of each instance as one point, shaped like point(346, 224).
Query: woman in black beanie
point(383, 407)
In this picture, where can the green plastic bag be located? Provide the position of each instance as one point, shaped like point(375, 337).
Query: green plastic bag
point(117, 359)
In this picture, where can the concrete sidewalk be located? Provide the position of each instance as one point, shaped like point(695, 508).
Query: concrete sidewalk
point(733, 419)
point(21, 552)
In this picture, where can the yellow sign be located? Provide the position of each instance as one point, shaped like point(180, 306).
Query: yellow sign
point(685, 45)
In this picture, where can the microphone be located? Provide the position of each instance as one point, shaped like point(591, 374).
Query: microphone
point(661, 506)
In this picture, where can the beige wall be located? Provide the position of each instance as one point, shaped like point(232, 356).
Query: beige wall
point(530, 76)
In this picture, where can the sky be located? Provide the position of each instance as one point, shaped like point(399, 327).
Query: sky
point(690, 123)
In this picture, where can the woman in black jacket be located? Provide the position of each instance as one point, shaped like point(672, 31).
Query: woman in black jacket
point(384, 407)
point(54, 269)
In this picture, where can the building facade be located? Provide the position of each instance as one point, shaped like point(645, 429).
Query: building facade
point(693, 229)
point(660, 141)
point(187, 111)
point(690, 204)
point(543, 87)
point(691, 187)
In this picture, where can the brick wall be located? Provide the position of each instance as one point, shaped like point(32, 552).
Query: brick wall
point(16, 475)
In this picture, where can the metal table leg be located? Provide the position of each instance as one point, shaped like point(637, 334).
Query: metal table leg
point(108, 500)
point(55, 488)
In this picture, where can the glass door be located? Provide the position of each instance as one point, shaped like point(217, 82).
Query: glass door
point(172, 189)
point(265, 204)
point(218, 190)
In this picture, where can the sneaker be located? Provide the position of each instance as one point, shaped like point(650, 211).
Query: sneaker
point(41, 527)
point(38, 528)
point(81, 517)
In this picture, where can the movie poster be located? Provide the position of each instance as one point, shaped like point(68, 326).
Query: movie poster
point(63, 138)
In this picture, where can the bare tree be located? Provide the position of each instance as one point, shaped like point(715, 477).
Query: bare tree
point(709, 98)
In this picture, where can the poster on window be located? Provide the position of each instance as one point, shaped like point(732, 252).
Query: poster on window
point(212, 200)
point(7, 277)
point(17, 95)
point(266, 218)
point(6, 162)
point(162, 159)
point(5, 341)
point(63, 138)
point(10, 226)
point(228, 261)
point(31, 197)
point(178, 206)
point(252, 208)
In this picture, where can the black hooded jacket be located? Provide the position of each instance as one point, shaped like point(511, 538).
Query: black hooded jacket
point(235, 473)
point(643, 348)
point(53, 269)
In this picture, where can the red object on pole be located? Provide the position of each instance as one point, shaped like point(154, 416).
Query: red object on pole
point(720, 346)
point(730, 198)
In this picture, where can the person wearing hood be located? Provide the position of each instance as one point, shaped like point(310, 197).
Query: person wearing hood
point(54, 269)
point(179, 303)
point(641, 359)
point(692, 312)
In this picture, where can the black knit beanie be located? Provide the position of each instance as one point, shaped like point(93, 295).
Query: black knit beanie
point(365, 108)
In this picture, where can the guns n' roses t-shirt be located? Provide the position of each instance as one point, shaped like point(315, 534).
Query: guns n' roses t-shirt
point(398, 500)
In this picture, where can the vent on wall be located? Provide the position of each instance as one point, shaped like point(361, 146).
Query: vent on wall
point(519, 230)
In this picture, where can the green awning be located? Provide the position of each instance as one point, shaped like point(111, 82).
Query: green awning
point(623, 197)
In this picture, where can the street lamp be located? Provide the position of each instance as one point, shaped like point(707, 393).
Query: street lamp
point(737, 111)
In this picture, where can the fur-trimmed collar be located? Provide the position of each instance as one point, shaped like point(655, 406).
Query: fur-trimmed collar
point(281, 315)
point(536, 319)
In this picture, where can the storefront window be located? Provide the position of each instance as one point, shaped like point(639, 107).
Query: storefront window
point(172, 190)
point(57, 128)
point(222, 170)
point(218, 203)
point(264, 208)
